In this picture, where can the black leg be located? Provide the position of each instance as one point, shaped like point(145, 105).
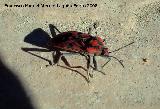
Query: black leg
point(35, 49)
point(106, 62)
point(65, 61)
point(88, 61)
point(59, 55)
point(52, 29)
point(95, 63)
point(96, 66)
point(56, 57)
point(94, 26)
point(50, 63)
point(38, 50)
point(76, 72)
point(90, 30)
point(89, 67)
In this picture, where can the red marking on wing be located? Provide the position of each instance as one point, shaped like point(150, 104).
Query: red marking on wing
point(92, 50)
point(77, 42)
point(94, 43)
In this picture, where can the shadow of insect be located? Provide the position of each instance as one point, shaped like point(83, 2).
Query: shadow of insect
point(40, 38)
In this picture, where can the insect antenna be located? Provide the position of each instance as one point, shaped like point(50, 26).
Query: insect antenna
point(110, 59)
point(121, 47)
point(117, 60)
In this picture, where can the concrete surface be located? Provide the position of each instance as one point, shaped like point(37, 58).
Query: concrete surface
point(137, 86)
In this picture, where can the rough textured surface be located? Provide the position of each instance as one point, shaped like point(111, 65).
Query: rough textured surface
point(120, 22)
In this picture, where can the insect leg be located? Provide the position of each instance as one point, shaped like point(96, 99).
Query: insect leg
point(90, 30)
point(35, 49)
point(65, 61)
point(89, 67)
point(109, 58)
point(38, 50)
point(96, 66)
point(94, 26)
point(56, 57)
point(60, 55)
point(52, 29)
point(95, 63)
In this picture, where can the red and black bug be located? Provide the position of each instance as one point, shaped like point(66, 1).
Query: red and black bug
point(81, 43)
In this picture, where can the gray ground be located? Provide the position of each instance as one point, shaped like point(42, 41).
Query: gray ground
point(137, 86)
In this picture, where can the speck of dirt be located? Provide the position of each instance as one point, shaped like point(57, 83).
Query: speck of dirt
point(145, 59)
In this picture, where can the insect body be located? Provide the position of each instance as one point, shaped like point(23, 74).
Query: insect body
point(78, 42)
point(82, 43)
